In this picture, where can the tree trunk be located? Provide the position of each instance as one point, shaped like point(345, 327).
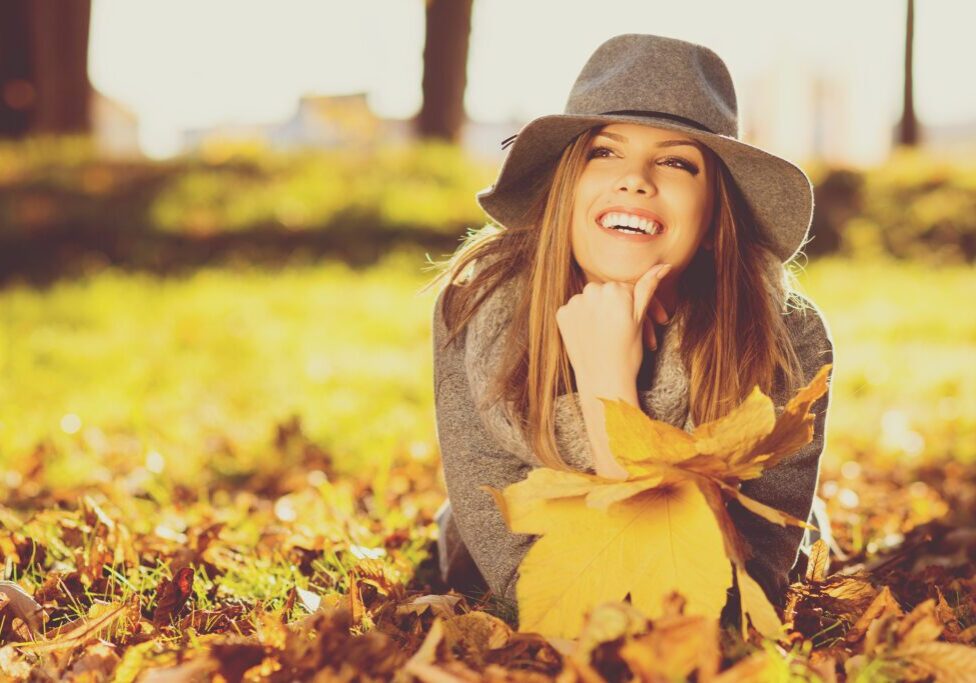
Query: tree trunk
point(908, 127)
point(44, 71)
point(445, 69)
point(17, 92)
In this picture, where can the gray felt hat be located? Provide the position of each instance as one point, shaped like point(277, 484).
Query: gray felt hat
point(666, 83)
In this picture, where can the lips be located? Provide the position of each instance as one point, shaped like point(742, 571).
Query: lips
point(630, 236)
point(634, 210)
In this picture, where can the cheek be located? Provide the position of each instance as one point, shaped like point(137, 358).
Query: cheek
point(582, 192)
point(696, 208)
point(582, 207)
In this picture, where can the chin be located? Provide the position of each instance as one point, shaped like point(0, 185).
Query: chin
point(616, 276)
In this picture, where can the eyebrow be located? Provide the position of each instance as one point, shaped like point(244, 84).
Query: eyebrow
point(664, 143)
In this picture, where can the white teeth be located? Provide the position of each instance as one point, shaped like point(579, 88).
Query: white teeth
point(637, 222)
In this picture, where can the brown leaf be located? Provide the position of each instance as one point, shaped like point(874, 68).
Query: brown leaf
point(947, 617)
point(171, 596)
point(676, 647)
point(883, 604)
point(236, 656)
point(76, 633)
point(819, 559)
point(17, 602)
point(474, 634)
point(947, 662)
point(440, 605)
point(920, 625)
point(616, 619)
point(427, 652)
point(968, 635)
point(849, 593)
point(356, 606)
point(96, 664)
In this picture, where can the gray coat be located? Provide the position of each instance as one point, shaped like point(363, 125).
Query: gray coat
point(470, 524)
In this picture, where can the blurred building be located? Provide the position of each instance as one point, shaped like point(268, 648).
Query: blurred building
point(330, 121)
point(804, 115)
point(790, 109)
point(952, 140)
point(327, 121)
point(115, 128)
point(319, 121)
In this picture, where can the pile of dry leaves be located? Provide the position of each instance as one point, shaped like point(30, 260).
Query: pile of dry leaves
point(896, 602)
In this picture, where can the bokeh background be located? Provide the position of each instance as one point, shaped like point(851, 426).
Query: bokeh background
point(217, 220)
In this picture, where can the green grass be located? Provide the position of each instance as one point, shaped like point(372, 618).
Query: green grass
point(166, 397)
point(180, 364)
point(171, 371)
point(905, 340)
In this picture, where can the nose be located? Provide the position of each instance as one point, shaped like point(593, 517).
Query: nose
point(636, 180)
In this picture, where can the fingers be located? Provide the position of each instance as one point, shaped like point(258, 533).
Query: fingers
point(650, 335)
point(645, 286)
point(658, 311)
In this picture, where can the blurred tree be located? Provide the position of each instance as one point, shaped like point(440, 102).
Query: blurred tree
point(44, 85)
point(445, 69)
point(908, 126)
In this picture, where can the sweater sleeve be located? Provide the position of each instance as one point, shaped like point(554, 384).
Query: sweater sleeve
point(470, 458)
point(789, 486)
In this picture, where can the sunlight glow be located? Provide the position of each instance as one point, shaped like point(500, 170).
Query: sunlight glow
point(177, 67)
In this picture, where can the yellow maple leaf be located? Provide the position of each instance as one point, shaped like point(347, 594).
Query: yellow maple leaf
point(665, 528)
point(661, 539)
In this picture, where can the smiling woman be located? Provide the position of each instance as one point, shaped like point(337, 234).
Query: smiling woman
point(572, 300)
point(636, 172)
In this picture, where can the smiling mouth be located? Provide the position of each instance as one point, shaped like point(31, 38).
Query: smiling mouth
point(631, 234)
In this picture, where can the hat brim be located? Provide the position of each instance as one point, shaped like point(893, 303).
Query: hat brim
point(778, 192)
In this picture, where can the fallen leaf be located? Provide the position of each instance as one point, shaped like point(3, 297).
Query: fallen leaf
point(663, 529)
point(662, 539)
point(606, 622)
point(16, 601)
point(735, 437)
point(675, 647)
point(883, 604)
point(817, 563)
point(172, 595)
point(440, 605)
point(948, 662)
point(754, 604)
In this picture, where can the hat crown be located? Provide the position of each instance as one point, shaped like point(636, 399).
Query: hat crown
point(635, 72)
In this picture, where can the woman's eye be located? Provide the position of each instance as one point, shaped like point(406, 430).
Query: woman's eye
point(683, 163)
point(595, 153)
point(595, 150)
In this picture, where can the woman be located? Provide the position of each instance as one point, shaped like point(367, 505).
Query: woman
point(641, 257)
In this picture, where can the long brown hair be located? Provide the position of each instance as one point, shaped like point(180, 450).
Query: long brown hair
point(734, 334)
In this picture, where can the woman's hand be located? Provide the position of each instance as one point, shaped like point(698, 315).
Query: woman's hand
point(603, 327)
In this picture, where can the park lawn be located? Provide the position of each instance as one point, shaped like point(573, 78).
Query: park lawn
point(182, 365)
point(268, 437)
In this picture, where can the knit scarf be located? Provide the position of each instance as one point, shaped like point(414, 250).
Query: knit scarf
point(667, 399)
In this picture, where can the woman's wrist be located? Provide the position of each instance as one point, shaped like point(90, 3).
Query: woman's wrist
point(595, 418)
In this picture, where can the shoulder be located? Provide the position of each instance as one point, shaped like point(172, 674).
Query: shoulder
point(478, 341)
point(808, 327)
point(438, 323)
point(461, 280)
point(812, 343)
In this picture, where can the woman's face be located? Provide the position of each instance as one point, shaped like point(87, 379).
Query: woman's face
point(648, 172)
